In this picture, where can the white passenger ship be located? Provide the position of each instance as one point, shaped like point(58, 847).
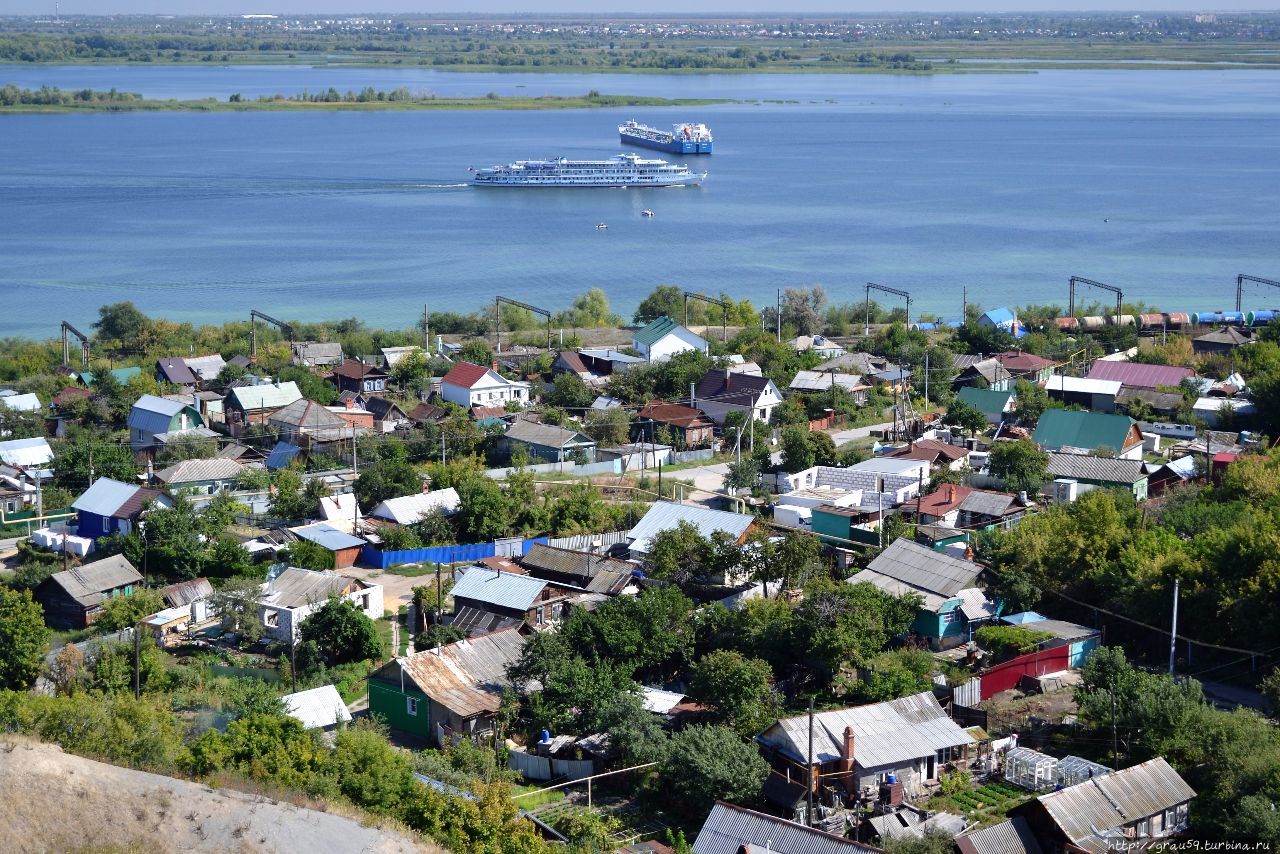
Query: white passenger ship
point(622, 170)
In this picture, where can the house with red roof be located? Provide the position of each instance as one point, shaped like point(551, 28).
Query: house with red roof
point(469, 385)
point(1026, 366)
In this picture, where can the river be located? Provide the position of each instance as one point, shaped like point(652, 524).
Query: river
point(1161, 182)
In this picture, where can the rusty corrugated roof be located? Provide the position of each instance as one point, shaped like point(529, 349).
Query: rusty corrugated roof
point(468, 676)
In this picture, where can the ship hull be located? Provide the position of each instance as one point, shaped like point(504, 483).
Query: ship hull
point(689, 181)
point(671, 145)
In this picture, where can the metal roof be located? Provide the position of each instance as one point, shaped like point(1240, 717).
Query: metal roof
point(1083, 385)
point(465, 374)
point(466, 677)
point(658, 701)
point(175, 370)
point(296, 588)
point(305, 414)
point(21, 402)
point(87, 583)
point(597, 573)
point(206, 367)
point(1065, 428)
point(105, 497)
point(884, 733)
point(317, 708)
point(1102, 469)
point(890, 465)
point(985, 400)
point(729, 828)
point(823, 381)
point(1008, 837)
point(665, 515)
point(193, 471)
point(922, 568)
point(282, 455)
point(546, 435)
point(155, 414)
point(1138, 374)
point(1114, 800)
point(269, 396)
point(122, 375)
point(408, 509)
point(655, 330)
point(499, 589)
point(328, 537)
point(26, 453)
point(185, 592)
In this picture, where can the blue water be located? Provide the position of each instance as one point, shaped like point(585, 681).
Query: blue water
point(1161, 182)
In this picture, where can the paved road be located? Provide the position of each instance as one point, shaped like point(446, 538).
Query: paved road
point(844, 437)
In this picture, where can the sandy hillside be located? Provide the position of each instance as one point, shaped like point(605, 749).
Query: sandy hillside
point(52, 801)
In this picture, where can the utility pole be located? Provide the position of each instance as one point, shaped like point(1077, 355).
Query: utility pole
point(1173, 635)
point(808, 818)
point(778, 313)
point(926, 379)
point(137, 661)
point(426, 329)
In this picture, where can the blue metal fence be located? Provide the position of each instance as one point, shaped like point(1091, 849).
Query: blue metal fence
point(370, 556)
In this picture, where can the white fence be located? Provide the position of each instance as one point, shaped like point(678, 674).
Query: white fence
point(568, 467)
point(541, 768)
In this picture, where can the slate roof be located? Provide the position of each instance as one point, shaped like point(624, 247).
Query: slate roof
point(296, 588)
point(87, 583)
point(327, 537)
point(408, 509)
point(929, 450)
point(984, 503)
point(317, 708)
point(1161, 401)
point(593, 572)
point(860, 363)
point(1227, 335)
point(498, 589)
point(1013, 836)
point(665, 515)
point(317, 352)
point(122, 375)
point(384, 409)
point(466, 677)
point(175, 370)
point(1138, 374)
point(730, 828)
point(884, 733)
point(547, 435)
point(186, 592)
point(732, 388)
point(306, 415)
point(985, 400)
point(1103, 469)
point(1115, 799)
point(1065, 428)
point(428, 412)
point(154, 414)
point(393, 355)
point(907, 567)
point(206, 367)
point(464, 374)
point(193, 471)
point(252, 398)
point(822, 381)
point(989, 369)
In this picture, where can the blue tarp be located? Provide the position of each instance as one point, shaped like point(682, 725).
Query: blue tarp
point(282, 455)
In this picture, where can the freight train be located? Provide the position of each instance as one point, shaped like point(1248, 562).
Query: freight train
point(1172, 320)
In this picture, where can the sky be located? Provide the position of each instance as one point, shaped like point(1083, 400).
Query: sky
point(648, 8)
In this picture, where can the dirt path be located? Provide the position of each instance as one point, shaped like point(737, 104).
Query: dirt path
point(52, 801)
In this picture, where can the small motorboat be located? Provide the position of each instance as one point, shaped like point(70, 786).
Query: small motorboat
point(600, 226)
point(646, 213)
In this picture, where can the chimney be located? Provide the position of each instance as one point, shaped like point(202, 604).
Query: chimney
point(727, 373)
point(493, 366)
point(951, 493)
point(846, 761)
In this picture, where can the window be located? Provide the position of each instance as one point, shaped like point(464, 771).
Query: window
point(949, 617)
point(271, 620)
point(411, 706)
point(542, 616)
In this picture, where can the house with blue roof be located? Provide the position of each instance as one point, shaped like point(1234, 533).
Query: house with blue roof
point(487, 600)
point(344, 547)
point(153, 420)
point(1003, 319)
point(663, 338)
point(109, 506)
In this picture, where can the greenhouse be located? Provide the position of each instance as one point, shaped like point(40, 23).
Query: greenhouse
point(1030, 769)
point(1074, 769)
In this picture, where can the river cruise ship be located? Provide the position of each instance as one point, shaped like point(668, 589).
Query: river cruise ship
point(622, 170)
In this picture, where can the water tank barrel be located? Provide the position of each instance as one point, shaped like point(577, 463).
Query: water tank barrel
point(1235, 318)
point(1260, 317)
point(1092, 322)
point(546, 737)
point(1151, 321)
point(1066, 323)
point(891, 779)
point(1205, 318)
point(1178, 318)
point(924, 327)
point(1120, 320)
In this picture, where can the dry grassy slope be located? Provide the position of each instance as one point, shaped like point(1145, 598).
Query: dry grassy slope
point(52, 801)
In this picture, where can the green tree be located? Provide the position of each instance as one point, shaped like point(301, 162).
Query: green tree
point(483, 513)
point(608, 427)
point(237, 601)
point(894, 674)
point(435, 529)
point(477, 352)
point(308, 555)
point(121, 321)
point(704, 764)
point(342, 632)
point(370, 772)
point(738, 688)
point(412, 371)
point(569, 392)
point(589, 310)
point(121, 612)
point(798, 452)
point(24, 639)
point(844, 624)
point(1032, 401)
point(312, 386)
point(73, 460)
point(385, 479)
point(966, 416)
point(1021, 465)
point(662, 301)
point(744, 474)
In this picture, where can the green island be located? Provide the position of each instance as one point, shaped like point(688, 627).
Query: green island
point(50, 99)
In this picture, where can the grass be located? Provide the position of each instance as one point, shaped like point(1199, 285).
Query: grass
point(410, 570)
point(211, 105)
point(533, 801)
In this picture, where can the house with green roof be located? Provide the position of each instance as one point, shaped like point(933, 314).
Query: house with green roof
point(663, 338)
point(995, 405)
point(122, 375)
point(255, 404)
point(1071, 431)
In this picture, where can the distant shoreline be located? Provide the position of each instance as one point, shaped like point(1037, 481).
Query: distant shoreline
point(212, 105)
